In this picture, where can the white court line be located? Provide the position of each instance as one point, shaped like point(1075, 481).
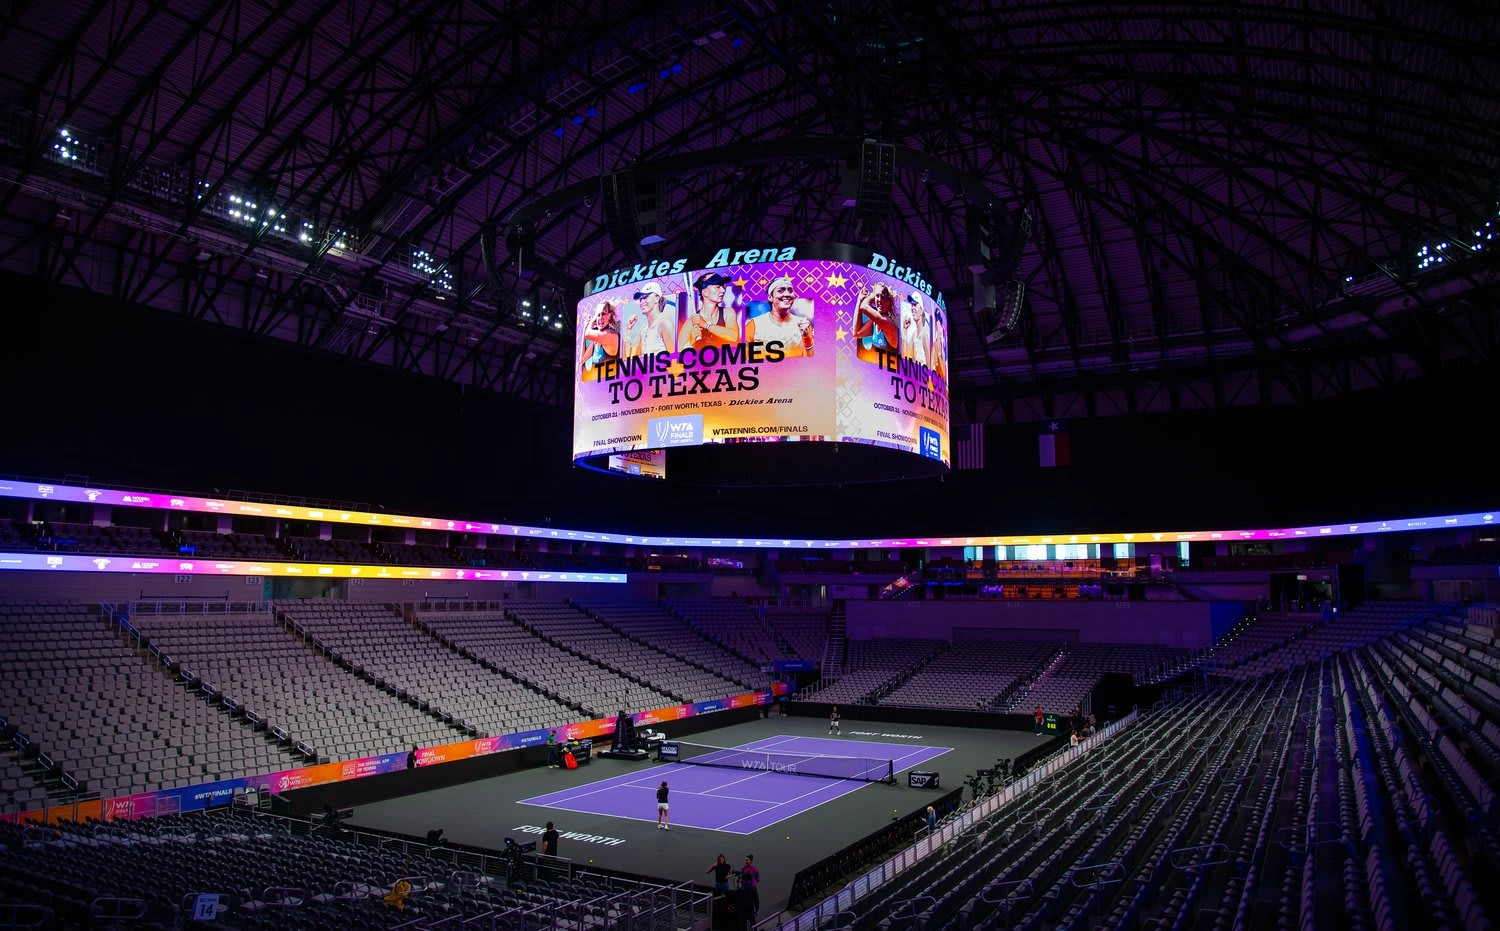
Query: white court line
point(647, 780)
point(911, 752)
point(753, 775)
point(899, 763)
point(730, 798)
point(765, 807)
point(846, 747)
point(762, 745)
point(775, 805)
point(898, 760)
point(604, 785)
point(591, 811)
point(628, 781)
point(713, 791)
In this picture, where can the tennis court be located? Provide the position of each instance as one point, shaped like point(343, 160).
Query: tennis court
point(747, 788)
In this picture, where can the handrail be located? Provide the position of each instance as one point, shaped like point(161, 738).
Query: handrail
point(354, 889)
point(21, 915)
point(1015, 891)
point(164, 605)
point(1198, 856)
point(911, 907)
point(284, 896)
point(1099, 800)
point(64, 809)
point(1094, 875)
point(117, 908)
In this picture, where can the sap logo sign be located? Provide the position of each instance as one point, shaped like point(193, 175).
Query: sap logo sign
point(920, 779)
point(675, 431)
point(932, 443)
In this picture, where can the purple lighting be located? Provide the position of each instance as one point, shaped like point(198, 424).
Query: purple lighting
point(188, 503)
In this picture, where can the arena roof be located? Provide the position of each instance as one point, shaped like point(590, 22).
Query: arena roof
point(1223, 204)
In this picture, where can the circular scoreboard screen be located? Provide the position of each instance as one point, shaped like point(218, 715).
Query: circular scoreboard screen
point(824, 347)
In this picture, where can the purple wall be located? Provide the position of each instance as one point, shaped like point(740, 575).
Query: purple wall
point(1187, 624)
point(93, 587)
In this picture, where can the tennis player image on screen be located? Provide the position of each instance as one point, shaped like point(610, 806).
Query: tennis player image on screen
point(709, 349)
point(651, 323)
point(789, 320)
point(601, 339)
point(916, 328)
point(876, 322)
point(710, 316)
point(939, 360)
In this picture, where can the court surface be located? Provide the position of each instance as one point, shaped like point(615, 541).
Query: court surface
point(731, 800)
point(485, 812)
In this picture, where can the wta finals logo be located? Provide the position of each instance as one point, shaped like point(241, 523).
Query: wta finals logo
point(686, 430)
point(932, 443)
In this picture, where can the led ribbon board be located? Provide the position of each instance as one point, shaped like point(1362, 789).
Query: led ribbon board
point(172, 565)
point(798, 345)
point(112, 497)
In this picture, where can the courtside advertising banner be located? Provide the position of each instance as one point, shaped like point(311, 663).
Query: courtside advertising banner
point(215, 794)
point(814, 343)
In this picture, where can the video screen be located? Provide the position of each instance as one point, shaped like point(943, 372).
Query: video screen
point(644, 463)
point(761, 346)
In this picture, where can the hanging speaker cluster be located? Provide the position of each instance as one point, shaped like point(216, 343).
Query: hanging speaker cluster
point(875, 197)
point(995, 246)
point(630, 210)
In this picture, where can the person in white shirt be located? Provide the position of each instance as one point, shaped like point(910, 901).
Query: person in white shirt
point(914, 329)
point(651, 331)
point(939, 361)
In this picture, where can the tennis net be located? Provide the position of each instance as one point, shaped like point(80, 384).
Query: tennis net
point(867, 769)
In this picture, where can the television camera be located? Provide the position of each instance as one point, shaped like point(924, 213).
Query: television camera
point(990, 780)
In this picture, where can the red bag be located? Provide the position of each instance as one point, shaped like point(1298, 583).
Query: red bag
point(569, 760)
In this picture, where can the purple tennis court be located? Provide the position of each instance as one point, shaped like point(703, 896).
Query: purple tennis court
point(745, 792)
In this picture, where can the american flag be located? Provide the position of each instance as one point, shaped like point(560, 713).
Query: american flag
point(968, 445)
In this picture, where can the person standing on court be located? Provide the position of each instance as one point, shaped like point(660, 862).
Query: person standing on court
point(549, 840)
point(749, 890)
point(833, 720)
point(662, 817)
point(721, 870)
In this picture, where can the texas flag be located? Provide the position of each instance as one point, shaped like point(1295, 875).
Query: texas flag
point(1053, 445)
